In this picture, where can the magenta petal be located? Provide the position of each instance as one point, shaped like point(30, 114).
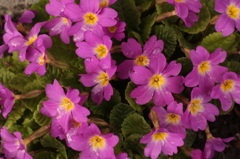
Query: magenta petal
point(143, 94)
point(54, 91)
point(90, 6)
point(218, 56)
point(198, 56)
point(174, 84)
point(124, 69)
point(173, 69)
point(131, 48)
point(84, 50)
point(108, 92)
point(88, 80)
point(141, 75)
point(107, 17)
point(198, 122)
point(157, 63)
point(192, 79)
point(225, 25)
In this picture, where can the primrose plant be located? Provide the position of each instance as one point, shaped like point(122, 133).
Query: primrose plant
point(118, 79)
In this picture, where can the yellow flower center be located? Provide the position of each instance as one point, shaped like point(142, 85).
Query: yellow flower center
point(227, 85)
point(159, 136)
point(179, 1)
point(203, 67)
point(104, 3)
point(41, 60)
point(101, 51)
point(31, 40)
point(90, 18)
point(173, 118)
point(112, 29)
point(142, 60)
point(195, 106)
point(67, 104)
point(233, 11)
point(157, 81)
point(65, 20)
point(103, 79)
point(97, 142)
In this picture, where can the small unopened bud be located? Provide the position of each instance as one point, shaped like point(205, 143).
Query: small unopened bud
point(115, 49)
point(105, 131)
point(97, 121)
point(208, 133)
point(214, 19)
point(154, 117)
point(22, 29)
point(31, 94)
point(59, 64)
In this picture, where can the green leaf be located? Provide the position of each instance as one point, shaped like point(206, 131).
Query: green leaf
point(61, 51)
point(182, 40)
point(136, 35)
point(25, 131)
point(166, 7)
point(127, 12)
point(42, 15)
point(216, 40)
point(132, 101)
point(135, 124)
point(232, 66)
point(168, 36)
point(187, 65)
point(6, 77)
point(190, 138)
point(15, 114)
point(119, 113)
point(105, 107)
point(51, 142)
point(143, 5)
point(32, 103)
point(45, 155)
point(203, 20)
point(39, 117)
point(146, 26)
point(132, 143)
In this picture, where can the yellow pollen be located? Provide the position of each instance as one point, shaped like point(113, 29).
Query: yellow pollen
point(157, 81)
point(97, 142)
point(31, 40)
point(112, 29)
point(142, 60)
point(67, 104)
point(41, 60)
point(103, 79)
point(227, 85)
point(65, 20)
point(195, 106)
point(101, 51)
point(173, 118)
point(203, 67)
point(104, 3)
point(90, 18)
point(233, 11)
point(179, 1)
point(159, 136)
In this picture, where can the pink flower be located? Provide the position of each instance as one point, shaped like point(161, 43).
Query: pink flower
point(106, 3)
point(123, 156)
point(64, 107)
point(206, 70)
point(230, 17)
point(99, 78)
point(27, 16)
point(170, 119)
point(95, 145)
point(156, 82)
point(197, 154)
point(228, 90)
point(13, 145)
point(163, 141)
point(138, 55)
point(199, 110)
point(7, 100)
point(215, 143)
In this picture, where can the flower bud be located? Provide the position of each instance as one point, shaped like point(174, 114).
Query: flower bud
point(31, 94)
point(97, 121)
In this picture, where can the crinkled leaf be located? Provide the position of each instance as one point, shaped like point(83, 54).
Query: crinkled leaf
point(190, 138)
point(136, 35)
point(6, 76)
point(203, 20)
point(105, 107)
point(135, 124)
point(232, 66)
point(127, 12)
point(168, 36)
point(51, 142)
point(25, 131)
point(32, 103)
point(182, 40)
point(143, 5)
point(39, 117)
point(166, 7)
point(119, 113)
point(187, 65)
point(15, 114)
point(30, 122)
point(132, 101)
point(146, 26)
point(216, 40)
point(180, 155)
point(45, 155)
point(40, 8)
point(132, 143)
point(61, 51)
point(119, 145)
